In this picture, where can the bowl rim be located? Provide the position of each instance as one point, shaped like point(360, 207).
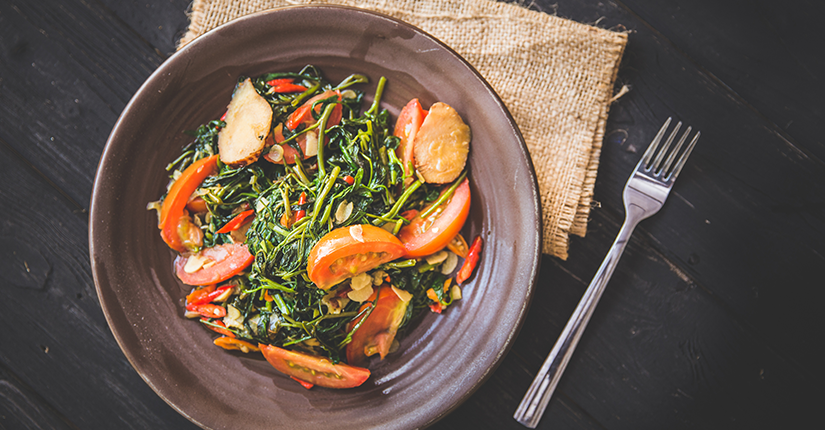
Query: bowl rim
point(95, 215)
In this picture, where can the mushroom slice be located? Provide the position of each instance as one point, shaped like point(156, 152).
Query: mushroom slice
point(441, 145)
point(248, 120)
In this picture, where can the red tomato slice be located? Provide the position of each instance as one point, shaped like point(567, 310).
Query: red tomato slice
point(313, 369)
point(376, 333)
point(229, 260)
point(406, 127)
point(173, 206)
point(425, 236)
point(349, 251)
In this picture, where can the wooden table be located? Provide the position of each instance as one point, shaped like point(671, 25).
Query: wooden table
point(710, 321)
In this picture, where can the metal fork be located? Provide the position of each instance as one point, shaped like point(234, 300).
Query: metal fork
point(644, 194)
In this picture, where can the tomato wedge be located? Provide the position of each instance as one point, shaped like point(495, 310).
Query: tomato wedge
point(313, 369)
point(376, 333)
point(220, 263)
point(425, 236)
point(172, 210)
point(349, 251)
point(406, 127)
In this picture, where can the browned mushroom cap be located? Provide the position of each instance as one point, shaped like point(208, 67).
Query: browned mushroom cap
point(441, 145)
point(248, 119)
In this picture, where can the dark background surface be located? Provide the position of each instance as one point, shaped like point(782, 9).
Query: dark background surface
point(711, 320)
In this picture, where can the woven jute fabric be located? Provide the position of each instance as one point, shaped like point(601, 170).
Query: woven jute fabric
point(555, 76)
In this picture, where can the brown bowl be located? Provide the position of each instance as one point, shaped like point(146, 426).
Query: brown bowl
point(442, 359)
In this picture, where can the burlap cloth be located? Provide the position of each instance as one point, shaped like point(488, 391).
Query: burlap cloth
point(555, 76)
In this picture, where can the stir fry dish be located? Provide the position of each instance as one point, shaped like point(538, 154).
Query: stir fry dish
point(314, 232)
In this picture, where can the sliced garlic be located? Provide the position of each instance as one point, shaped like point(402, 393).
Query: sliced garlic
point(360, 295)
point(195, 263)
point(378, 277)
point(357, 233)
point(261, 204)
point(361, 281)
point(449, 264)
point(276, 153)
point(405, 296)
point(348, 94)
point(225, 295)
point(455, 292)
point(312, 144)
point(233, 318)
point(436, 258)
point(232, 312)
point(191, 314)
point(343, 211)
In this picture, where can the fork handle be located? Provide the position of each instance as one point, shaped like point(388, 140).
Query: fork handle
point(532, 406)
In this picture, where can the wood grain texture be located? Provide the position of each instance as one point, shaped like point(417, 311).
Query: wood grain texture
point(761, 50)
point(62, 348)
point(710, 320)
point(21, 408)
point(68, 70)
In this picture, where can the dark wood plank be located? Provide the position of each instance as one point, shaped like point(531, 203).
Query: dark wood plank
point(698, 327)
point(60, 346)
point(745, 223)
point(659, 346)
point(67, 70)
point(765, 51)
point(160, 23)
point(20, 408)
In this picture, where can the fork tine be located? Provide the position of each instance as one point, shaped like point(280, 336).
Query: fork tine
point(653, 145)
point(661, 155)
point(669, 162)
point(684, 157)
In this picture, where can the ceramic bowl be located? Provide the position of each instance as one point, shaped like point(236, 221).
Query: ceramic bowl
point(442, 358)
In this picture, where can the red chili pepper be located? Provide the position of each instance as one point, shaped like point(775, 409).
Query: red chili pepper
point(289, 88)
point(349, 179)
point(236, 222)
point(200, 295)
point(305, 384)
point(436, 307)
point(470, 262)
point(217, 293)
point(302, 200)
point(298, 116)
point(222, 329)
point(280, 81)
point(207, 309)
